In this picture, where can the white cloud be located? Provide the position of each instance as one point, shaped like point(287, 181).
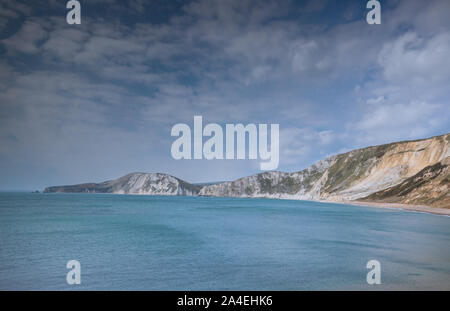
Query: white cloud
point(390, 122)
point(376, 100)
point(27, 39)
point(411, 59)
point(296, 144)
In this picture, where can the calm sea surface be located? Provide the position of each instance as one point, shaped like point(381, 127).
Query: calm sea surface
point(188, 243)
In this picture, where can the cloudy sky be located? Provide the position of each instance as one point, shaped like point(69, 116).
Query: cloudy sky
point(95, 101)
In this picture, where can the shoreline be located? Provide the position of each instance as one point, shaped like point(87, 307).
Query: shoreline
point(401, 206)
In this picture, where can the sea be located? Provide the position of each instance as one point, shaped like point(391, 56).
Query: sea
point(138, 242)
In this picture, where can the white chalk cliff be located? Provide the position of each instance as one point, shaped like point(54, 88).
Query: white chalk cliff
point(403, 172)
point(134, 183)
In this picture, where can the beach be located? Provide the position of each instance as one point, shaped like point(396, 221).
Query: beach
point(407, 207)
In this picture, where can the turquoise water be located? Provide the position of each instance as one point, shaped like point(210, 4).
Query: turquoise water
point(187, 243)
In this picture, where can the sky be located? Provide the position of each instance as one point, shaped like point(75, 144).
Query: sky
point(93, 102)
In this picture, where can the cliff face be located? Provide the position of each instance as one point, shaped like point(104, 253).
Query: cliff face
point(135, 183)
point(428, 187)
point(412, 172)
point(349, 176)
point(299, 185)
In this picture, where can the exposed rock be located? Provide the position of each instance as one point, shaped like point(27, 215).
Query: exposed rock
point(412, 172)
point(428, 187)
point(135, 183)
point(349, 176)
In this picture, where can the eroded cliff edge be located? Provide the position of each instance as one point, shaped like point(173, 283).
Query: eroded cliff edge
point(354, 175)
